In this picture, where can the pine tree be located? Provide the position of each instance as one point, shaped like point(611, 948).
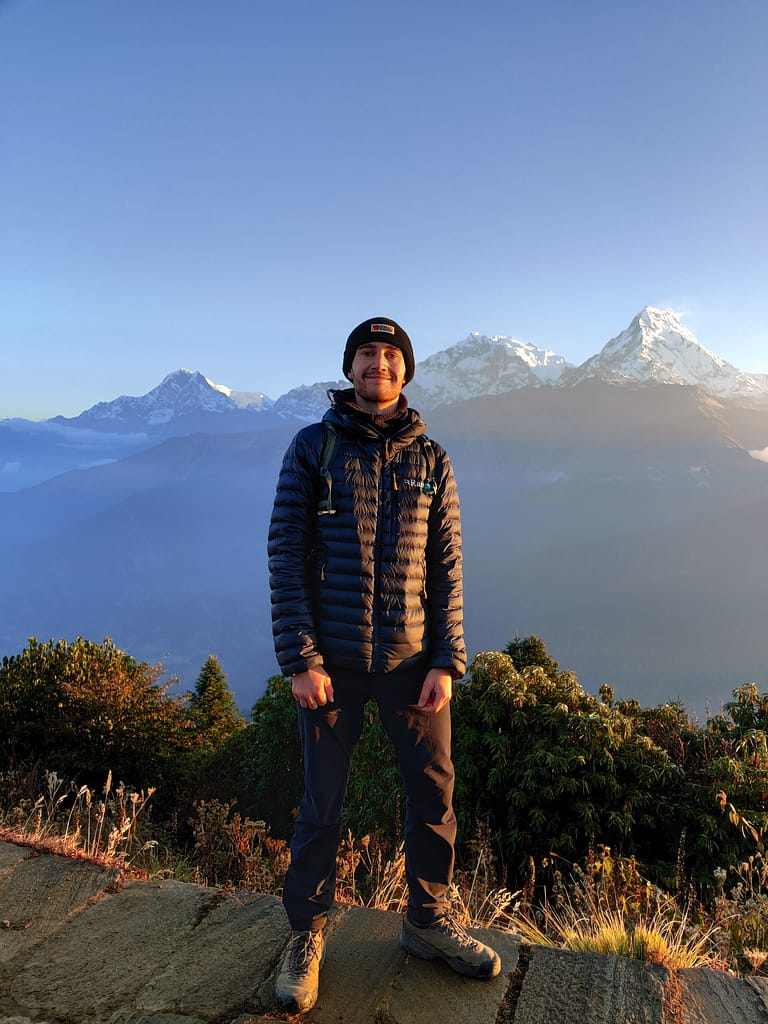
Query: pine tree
point(212, 706)
point(531, 650)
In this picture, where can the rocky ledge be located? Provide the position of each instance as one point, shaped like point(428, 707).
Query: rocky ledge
point(81, 944)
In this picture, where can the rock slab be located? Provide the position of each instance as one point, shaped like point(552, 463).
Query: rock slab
point(80, 944)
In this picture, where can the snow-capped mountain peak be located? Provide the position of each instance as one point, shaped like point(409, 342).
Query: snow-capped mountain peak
point(657, 348)
point(661, 340)
point(181, 394)
point(482, 365)
point(178, 394)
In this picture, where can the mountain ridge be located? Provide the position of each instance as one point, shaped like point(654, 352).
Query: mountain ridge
point(655, 347)
point(180, 394)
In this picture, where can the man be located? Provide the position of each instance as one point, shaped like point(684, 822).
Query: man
point(365, 571)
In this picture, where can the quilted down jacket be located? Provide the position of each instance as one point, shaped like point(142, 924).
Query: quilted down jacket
point(377, 584)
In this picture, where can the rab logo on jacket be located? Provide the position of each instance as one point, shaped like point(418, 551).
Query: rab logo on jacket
point(419, 485)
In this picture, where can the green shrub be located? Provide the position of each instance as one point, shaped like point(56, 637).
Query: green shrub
point(83, 710)
point(720, 798)
point(549, 767)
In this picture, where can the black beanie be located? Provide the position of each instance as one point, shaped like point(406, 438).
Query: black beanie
point(379, 328)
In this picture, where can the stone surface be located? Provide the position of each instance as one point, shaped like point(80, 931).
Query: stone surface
point(37, 894)
point(710, 996)
point(573, 988)
point(760, 987)
point(427, 986)
point(102, 957)
point(80, 945)
point(361, 944)
point(10, 855)
point(218, 968)
point(129, 1017)
point(368, 977)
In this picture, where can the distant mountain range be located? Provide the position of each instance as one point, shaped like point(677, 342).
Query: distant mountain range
point(655, 348)
point(616, 509)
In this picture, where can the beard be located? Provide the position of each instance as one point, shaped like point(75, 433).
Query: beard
point(378, 390)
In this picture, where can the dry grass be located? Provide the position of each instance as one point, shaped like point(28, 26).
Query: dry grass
point(663, 936)
point(74, 823)
point(371, 875)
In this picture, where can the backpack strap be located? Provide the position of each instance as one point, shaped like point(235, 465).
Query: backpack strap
point(327, 455)
point(429, 458)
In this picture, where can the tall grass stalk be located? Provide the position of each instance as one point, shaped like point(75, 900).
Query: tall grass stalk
point(68, 821)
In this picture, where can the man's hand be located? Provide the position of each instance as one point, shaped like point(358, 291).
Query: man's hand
point(437, 690)
point(313, 688)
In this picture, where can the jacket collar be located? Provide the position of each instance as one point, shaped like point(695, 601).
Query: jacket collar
point(401, 426)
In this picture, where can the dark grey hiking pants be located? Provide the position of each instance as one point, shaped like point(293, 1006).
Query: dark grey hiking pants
point(422, 743)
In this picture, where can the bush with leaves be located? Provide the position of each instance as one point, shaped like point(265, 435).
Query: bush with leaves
point(737, 776)
point(531, 652)
point(268, 752)
point(232, 850)
point(550, 767)
point(719, 804)
point(84, 710)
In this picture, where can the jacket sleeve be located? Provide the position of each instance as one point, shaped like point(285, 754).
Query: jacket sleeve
point(291, 533)
point(445, 597)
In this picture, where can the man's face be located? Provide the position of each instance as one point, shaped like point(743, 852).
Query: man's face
point(377, 374)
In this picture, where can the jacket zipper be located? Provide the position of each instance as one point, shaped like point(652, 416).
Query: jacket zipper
point(377, 558)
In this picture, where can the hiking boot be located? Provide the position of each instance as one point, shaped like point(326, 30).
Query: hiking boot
point(297, 980)
point(447, 940)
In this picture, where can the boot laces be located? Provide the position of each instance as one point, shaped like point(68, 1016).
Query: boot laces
point(449, 926)
point(303, 948)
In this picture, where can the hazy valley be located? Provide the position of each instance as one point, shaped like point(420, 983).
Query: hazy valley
point(619, 514)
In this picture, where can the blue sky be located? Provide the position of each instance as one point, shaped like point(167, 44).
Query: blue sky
point(231, 185)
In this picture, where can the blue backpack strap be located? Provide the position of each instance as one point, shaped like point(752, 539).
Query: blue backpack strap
point(327, 455)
